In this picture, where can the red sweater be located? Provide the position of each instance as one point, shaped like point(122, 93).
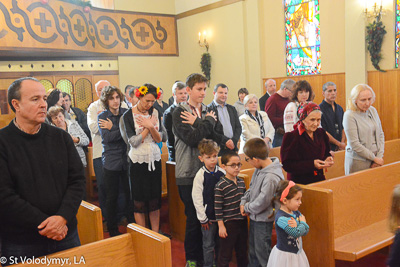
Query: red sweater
point(275, 107)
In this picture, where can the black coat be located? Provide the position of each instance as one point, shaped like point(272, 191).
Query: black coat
point(219, 131)
point(263, 101)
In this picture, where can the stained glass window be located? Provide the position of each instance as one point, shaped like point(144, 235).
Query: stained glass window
point(397, 32)
point(303, 56)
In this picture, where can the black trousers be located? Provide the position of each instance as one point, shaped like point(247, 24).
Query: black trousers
point(193, 236)
point(112, 180)
point(236, 239)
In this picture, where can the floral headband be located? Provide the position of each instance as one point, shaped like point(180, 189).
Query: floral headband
point(143, 90)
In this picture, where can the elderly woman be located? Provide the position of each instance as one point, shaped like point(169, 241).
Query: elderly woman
point(56, 116)
point(239, 105)
point(255, 123)
point(365, 138)
point(305, 151)
point(302, 93)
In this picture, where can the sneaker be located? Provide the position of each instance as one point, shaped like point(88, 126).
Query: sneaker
point(190, 264)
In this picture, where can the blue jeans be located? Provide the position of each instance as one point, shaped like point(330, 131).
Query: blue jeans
point(209, 242)
point(15, 251)
point(259, 243)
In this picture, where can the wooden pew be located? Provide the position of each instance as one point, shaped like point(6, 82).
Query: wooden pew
point(392, 154)
point(392, 151)
point(176, 212)
point(91, 176)
point(90, 223)
point(348, 215)
point(140, 247)
point(164, 186)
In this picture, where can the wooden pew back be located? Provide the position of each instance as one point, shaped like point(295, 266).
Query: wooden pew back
point(139, 247)
point(90, 223)
point(356, 201)
point(164, 186)
point(317, 204)
point(337, 169)
point(176, 212)
point(392, 149)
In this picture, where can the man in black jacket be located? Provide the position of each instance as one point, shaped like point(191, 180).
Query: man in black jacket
point(270, 87)
point(42, 180)
point(76, 114)
point(180, 95)
point(228, 127)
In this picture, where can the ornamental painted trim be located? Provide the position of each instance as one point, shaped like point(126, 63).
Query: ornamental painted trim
point(31, 24)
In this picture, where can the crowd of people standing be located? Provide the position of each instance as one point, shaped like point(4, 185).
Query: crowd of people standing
point(127, 130)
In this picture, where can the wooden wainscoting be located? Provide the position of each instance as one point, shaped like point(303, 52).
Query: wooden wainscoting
point(386, 86)
point(317, 81)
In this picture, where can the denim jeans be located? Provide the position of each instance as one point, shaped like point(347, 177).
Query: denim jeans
point(259, 243)
point(193, 237)
point(209, 241)
point(277, 140)
point(15, 251)
point(113, 181)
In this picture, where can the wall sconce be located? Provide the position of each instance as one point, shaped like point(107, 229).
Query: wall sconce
point(373, 9)
point(203, 43)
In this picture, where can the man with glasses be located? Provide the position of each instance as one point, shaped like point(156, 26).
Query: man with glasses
point(275, 108)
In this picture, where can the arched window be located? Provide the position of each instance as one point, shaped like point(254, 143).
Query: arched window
point(83, 93)
point(66, 86)
point(47, 84)
point(303, 55)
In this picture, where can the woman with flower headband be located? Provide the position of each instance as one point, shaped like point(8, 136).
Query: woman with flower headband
point(305, 152)
point(144, 130)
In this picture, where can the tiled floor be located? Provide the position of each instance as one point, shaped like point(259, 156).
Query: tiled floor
point(376, 259)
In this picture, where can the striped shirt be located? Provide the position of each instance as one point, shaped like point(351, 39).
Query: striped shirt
point(227, 199)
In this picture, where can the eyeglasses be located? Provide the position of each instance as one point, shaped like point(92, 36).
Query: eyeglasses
point(235, 165)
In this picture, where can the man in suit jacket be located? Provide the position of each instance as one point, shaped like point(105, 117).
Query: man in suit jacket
point(228, 128)
point(76, 114)
point(270, 87)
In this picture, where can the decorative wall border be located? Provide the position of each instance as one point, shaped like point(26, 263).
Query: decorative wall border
point(59, 25)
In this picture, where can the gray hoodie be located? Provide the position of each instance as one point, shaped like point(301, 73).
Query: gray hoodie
point(257, 200)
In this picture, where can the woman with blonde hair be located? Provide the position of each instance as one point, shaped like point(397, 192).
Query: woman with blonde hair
point(255, 123)
point(365, 137)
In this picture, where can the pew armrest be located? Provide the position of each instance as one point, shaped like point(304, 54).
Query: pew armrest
point(90, 223)
point(153, 249)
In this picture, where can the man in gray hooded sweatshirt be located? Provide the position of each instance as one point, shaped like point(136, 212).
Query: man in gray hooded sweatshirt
point(256, 202)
